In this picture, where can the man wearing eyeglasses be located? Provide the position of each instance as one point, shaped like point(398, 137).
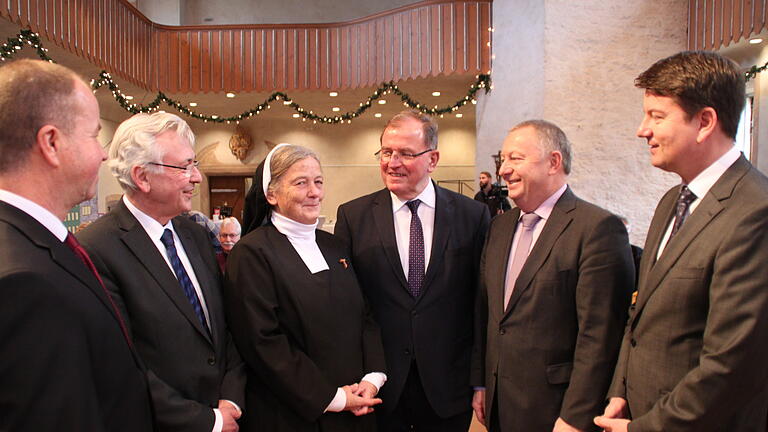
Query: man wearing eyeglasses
point(416, 249)
point(163, 274)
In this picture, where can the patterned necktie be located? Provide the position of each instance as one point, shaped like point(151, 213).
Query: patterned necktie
point(415, 251)
point(182, 276)
point(681, 211)
point(529, 221)
point(78, 249)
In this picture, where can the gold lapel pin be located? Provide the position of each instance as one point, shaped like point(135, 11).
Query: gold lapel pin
point(343, 262)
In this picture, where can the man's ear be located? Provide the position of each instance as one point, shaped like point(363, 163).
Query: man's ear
point(140, 178)
point(708, 122)
point(555, 162)
point(48, 142)
point(434, 157)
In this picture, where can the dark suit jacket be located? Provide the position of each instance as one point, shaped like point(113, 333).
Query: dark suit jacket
point(436, 329)
point(551, 353)
point(65, 364)
point(301, 334)
point(693, 356)
point(188, 372)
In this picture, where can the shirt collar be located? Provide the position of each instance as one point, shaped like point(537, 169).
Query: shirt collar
point(37, 212)
point(707, 178)
point(153, 228)
point(545, 208)
point(427, 196)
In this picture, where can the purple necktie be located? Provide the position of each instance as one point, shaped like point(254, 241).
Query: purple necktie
point(528, 222)
point(681, 211)
point(415, 251)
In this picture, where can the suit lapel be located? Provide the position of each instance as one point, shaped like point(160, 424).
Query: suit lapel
point(711, 205)
point(385, 227)
point(441, 232)
point(502, 250)
point(142, 247)
point(558, 220)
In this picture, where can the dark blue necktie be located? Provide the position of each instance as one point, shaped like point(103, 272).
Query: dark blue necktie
point(415, 251)
point(182, 276)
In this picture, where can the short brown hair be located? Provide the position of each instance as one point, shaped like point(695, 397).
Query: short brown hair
point(33, 93)
point(698, 79)
point(428, 125)
point(486, 173)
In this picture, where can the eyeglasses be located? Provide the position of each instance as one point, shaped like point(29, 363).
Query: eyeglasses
point(386, 155)
point(188, 170)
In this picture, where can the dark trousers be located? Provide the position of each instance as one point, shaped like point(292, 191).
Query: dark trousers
point(414, 413)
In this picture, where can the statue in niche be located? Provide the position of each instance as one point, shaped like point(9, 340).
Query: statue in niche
point(240, 143)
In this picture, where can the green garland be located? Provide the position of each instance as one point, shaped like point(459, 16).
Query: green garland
point(30, 38)
point(754, 70)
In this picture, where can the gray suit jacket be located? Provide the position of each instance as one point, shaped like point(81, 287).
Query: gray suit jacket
point(188, 370)
point(693, 356)
point(551, 353)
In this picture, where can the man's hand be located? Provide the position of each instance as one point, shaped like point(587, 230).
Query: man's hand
point(478, 405)
point(614, 418)
point(612, 425)
point(562, 426)
point(359, 405)
point(366, 390)
point(229, 415)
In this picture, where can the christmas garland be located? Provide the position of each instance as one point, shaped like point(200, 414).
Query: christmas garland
point(7, 50)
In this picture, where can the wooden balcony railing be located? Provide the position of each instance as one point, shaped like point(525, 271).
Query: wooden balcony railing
point(428, 38)
point(714, 24)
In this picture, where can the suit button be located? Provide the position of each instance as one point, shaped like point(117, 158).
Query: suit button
point(502, 331)
point(414, 314)
point(211, 361)
point(633, 342)
point(407, 352)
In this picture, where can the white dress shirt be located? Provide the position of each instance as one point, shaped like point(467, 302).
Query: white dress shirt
point(701, 185)
point(402, 216)
point(544, 210)
point(37, 212)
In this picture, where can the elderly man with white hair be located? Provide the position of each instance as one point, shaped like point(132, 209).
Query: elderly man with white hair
point(162, 272)
point(229, 234)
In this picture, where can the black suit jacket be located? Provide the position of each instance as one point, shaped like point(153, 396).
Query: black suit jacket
point(65, 364)
point(693, 356)
point(302, 335)
point(436, 329)
point(188, 371)
point(551, 353)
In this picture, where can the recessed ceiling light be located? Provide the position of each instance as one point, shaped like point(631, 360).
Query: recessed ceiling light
point(230, 95)
point(435, 93)
point(377, 115)
point(336, 109)
point(474, 102)
point(296, 115)
point(129, 98)
point(214, 116)
point(459, 115)
point(287, 102)
point(382, 101)
point(333, 94)
point(193, 104)
point(755, 41)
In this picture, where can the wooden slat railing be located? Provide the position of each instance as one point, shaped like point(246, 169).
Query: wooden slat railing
point(714, 24)
point(428, 38)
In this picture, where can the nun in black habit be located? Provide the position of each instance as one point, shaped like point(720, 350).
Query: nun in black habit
point(314, 355)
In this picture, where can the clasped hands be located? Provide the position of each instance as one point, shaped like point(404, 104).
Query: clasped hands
point(361, 398)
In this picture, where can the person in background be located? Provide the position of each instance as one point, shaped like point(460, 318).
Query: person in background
point(314, 354)
point(229, 234)
point(210, 227)
point(491, 195)
point(68, 362)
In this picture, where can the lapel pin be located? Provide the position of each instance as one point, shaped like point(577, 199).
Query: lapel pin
point(343, 262)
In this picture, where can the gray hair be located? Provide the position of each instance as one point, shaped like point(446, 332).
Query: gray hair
point(551, 138)
point(231, 221)
point(428, 124)
point(134, 143)
point(283, 159)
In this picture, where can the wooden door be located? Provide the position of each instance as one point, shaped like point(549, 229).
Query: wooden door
point(228, 192)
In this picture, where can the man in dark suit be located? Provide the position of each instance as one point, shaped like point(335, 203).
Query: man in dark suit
point(66, 363)
point(553, 297)
point(416, 248)
point(693, 356)
point(163, 273)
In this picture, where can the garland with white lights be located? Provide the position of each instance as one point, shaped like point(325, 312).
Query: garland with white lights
point(32, 39)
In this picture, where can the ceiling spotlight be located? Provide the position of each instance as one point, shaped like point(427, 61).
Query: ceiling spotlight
point(129, 98)
point(755, 41)
point(336, 109)
point(435, 93)
point(377, 115)
point(474, 102)
point(213, 116)
point(382, 101)
point(459, 115)
point(230, 95)
point(286, 102)
point(333, 94)
point(296, 115)
point(193, 104)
